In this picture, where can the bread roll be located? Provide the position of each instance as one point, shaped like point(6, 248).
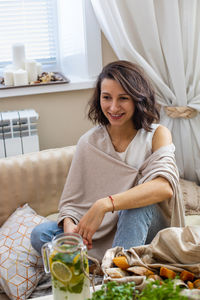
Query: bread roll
point(196, 284)
point(187, 276)
point(121, 262)
point(116, 272)
point(140, 270)
point(167, 273)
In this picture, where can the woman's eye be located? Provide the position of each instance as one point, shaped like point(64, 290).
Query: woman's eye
point(106, 97)
point(124, 98)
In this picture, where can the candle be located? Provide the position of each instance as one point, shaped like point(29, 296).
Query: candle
point(8, 77)
point(31, 68)
point(20, 77)
point(18, 55)
point(39, 68)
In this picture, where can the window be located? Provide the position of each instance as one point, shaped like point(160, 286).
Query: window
point(29, 22)
point(61, 34)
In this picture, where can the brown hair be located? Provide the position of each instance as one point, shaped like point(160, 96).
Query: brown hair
point(136, 84)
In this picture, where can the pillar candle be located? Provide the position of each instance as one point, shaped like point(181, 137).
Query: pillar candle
point(31, 68)
point(18, 55)
point(20, 77)
point(39, 68)
point(8, 77)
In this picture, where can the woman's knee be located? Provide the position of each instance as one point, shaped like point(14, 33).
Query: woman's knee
point(133, 226)
point(137, 215)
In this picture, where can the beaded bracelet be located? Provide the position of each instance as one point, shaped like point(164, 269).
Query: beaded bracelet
point(112, 200)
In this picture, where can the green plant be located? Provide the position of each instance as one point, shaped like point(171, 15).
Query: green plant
point(165, 291)
point(127, 291)
point(113, 290)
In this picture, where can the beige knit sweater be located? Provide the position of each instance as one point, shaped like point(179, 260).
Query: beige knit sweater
point(97, 171)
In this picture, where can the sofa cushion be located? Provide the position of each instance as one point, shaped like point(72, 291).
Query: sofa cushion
point(21, 267)
point(52, 217)
point(37, 177)
point(192, 220)
point(191, 197)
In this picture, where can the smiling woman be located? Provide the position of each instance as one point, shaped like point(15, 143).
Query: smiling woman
point(123, 183)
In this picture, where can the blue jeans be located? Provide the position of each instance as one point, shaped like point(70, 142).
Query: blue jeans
point(138, 226)
point(44, 233)
point(135, 227)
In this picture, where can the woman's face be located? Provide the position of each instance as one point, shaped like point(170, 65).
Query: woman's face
point(116, 104)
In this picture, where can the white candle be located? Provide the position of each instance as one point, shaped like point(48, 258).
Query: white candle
point(18, 55)
point(31, 68)
point(8, 77)
point(39, 68)
point(20, 77)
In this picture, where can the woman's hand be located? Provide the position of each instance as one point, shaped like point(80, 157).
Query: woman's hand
point(91, 221)
point(70, 227)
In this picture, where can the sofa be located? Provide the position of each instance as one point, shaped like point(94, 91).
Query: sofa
point(36, 179)
point(30, 189)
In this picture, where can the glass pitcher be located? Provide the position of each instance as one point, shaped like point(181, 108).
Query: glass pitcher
point(65, 258)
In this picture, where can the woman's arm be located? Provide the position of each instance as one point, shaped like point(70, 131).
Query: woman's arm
point(162, 137)
point(154, 191)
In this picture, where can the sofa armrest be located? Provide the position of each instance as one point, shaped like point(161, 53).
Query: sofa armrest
point(35, 178)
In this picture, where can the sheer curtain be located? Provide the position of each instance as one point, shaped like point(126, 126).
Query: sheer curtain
point(164, 38)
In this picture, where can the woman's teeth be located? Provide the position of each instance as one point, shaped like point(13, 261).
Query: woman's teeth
point(116, 116)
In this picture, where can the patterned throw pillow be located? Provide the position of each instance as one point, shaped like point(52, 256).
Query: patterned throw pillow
point(21, 266)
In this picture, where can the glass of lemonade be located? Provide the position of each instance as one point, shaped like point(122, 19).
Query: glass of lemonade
point(65, 258)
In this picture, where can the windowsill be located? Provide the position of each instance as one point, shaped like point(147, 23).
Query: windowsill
point(74, 84)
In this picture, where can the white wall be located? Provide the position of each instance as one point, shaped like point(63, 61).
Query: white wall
point(62, 115)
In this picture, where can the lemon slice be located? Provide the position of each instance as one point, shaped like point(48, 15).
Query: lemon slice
point(76, 258)
point(76, 279)
point(61, 272)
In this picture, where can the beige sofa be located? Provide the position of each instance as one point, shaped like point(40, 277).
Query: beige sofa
point(35, 178)
point(38, 179)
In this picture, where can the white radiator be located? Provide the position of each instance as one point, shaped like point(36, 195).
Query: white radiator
point(18, 132)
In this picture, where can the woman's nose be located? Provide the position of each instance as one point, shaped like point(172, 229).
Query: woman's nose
point(114, 105)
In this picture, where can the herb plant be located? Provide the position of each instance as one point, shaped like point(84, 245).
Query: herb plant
point(165, 291)
point(127, 291)
point(113, 290)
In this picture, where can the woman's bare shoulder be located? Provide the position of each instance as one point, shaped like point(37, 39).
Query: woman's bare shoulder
point(162, 137)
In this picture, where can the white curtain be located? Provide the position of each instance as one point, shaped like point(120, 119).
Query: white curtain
point(163, 36)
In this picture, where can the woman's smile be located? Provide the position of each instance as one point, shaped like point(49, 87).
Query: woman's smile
point(116, 116)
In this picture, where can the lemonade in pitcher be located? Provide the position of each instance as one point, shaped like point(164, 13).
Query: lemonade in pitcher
point(65, 257)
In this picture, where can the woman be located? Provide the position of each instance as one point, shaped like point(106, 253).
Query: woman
point(122, 187)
